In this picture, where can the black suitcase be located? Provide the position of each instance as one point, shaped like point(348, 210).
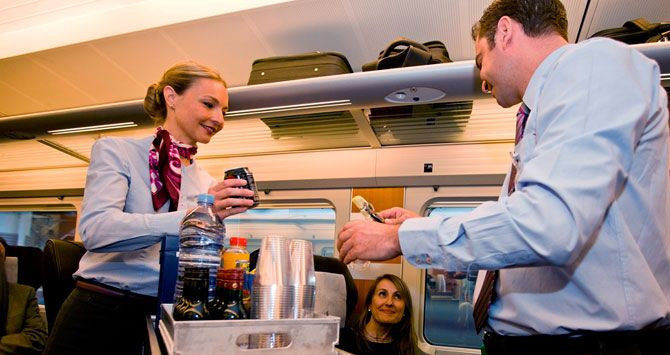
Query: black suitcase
point(299, 66)
point(637, 31)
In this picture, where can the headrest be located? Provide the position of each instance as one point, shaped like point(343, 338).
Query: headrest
point(12, 268)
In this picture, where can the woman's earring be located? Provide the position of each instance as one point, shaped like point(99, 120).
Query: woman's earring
point(369, 309)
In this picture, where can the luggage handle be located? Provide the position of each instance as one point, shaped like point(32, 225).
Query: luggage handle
point(641, 24)
point(402, 41)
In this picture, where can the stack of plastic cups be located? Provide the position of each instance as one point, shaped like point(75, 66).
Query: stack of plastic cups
point(271, 294)
point(302, 278)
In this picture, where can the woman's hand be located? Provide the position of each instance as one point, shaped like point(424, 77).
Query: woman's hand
point(230, 197)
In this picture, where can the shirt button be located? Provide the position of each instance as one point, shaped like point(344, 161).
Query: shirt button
point(418, 260)
point(428, 259)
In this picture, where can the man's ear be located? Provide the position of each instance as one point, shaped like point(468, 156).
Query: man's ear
point(169, 95)
point(504, 32)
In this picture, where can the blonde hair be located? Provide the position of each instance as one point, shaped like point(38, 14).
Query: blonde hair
point(180, 77)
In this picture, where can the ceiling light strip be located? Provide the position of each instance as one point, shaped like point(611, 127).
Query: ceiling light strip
point(93, 128)
point(273, 109)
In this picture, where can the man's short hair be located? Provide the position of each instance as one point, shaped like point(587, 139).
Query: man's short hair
point(538, 17)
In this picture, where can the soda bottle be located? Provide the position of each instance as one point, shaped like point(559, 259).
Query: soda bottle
point(192, 305)
point(233, 280)
point(200, 242)
point(217, 306)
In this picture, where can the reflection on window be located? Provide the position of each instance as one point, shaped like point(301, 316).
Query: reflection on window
point(314, 224)
point(35, 228)
point(448, 300)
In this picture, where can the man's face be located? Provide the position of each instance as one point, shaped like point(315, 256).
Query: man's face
point(496, 72)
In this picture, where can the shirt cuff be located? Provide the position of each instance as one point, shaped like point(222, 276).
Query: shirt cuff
point(420, 242)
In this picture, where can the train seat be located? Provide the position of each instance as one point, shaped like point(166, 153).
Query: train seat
point(61, 260)
point(28, 265)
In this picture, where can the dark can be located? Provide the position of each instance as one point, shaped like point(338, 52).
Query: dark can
point(245, 174)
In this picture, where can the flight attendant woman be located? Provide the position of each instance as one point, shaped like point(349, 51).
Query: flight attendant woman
point(137, 191)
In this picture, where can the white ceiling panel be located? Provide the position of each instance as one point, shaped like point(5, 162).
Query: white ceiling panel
point(30, 26)
point(309, 25)
point(226, 42)
point(604, 14)
point(90, 71)
point(143, 55)
point(14, 101)
point(420, 20)
point(17, 13)
point(41, 84)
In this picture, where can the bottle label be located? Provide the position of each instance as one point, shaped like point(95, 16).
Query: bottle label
point(231, 259)
point(230, 313)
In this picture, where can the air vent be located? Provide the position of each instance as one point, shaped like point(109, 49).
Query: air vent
point(434, 123)
point(312, 125)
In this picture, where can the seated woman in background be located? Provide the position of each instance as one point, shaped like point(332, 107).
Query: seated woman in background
point(385, 327)
point(22, 329)
point(138, 191)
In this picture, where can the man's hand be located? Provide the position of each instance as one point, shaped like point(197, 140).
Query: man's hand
point(229, 197)
point(397, 215)
point(367, 240)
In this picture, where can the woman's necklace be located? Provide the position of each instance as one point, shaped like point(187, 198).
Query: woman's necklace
point(383, 339)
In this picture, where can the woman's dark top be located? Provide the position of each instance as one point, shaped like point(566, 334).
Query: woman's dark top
point(349, 342)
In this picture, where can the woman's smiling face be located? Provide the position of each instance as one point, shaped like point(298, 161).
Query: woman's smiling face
point(387, 305)
point(197, 114)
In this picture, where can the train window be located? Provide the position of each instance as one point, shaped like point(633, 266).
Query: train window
point(34, 228)
point(313, 223)
point(448, 297)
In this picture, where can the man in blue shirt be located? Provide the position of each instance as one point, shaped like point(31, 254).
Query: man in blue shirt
point(579, 236)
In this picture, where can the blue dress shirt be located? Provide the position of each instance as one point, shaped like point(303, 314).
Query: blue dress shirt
point(584, 242)
point(118, 224)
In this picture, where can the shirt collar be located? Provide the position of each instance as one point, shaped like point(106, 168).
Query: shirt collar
point(534, 87)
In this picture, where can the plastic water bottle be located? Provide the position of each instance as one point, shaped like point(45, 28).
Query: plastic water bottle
point(200, 242)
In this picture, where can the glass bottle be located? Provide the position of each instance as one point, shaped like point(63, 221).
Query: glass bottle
point(233, 280)
point(217, 306)
point(192, 305)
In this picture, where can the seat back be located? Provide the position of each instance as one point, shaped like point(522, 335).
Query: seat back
point(335, 266)
point(29, 265)
point(61, 260)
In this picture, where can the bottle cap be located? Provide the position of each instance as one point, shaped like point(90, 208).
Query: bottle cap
point(238, 241)
point(206, 198)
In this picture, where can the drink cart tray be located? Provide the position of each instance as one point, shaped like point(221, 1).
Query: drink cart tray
point(302, 336)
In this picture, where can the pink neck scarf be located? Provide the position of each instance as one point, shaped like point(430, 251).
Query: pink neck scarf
point(165, 168)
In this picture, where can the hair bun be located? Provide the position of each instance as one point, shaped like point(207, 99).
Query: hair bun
point(154, 104)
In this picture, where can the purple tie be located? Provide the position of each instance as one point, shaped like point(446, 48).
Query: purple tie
point(480, 311)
